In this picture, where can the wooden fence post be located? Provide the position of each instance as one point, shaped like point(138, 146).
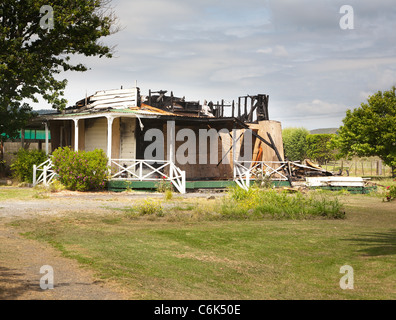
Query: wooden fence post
point(379, 168)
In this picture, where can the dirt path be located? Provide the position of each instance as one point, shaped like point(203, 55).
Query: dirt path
point(21, 258)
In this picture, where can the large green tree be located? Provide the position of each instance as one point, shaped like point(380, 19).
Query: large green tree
point(370, 130)
point(320, 147)
point(38, 39)
point(295, 143)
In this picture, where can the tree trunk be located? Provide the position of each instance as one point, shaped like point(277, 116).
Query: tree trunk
point(2, 165)
point(1, 150)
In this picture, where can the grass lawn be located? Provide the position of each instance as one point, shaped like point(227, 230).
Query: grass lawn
point(153, 257)
point(7, 193)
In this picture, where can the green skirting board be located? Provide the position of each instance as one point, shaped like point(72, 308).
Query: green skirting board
point(122, 185)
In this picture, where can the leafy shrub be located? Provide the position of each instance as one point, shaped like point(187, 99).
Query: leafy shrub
point(164, 185)
point(148, 208)
point(168, 195)
point(321, 147)
point(258, 203)
point(295, 143)
point(22, 168)
point(390, 192)
point(81, 170)
point(237, 193)
point(56, 186)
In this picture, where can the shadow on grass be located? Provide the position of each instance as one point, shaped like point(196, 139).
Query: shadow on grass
point(376, 244)
point(14, 284)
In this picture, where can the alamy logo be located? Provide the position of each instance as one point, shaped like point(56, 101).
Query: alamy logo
point(47, 280)
point(47, 21)
point(347, 281)
point(347, 21)
point(196, 146)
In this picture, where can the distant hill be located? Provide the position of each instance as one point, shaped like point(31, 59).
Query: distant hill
point(324, 131)
point(46, 111)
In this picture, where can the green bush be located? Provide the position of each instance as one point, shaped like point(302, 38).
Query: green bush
point(164, 185)
point(295, 143)
point(259, 203)
point(168, 195)
point(390, 193)
point(320, 147)
point(81, 170)
point(149, 207)
point(22, 168)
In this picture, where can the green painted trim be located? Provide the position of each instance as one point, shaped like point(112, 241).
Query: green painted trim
point(209, 184)
point(30, 134)
point(121, 185)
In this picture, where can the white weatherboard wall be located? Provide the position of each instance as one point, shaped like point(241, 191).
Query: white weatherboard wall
point(128, 138)
point(96, 134)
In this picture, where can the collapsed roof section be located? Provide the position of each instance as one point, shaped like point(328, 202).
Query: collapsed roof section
point(248, 109)
point(109, 99)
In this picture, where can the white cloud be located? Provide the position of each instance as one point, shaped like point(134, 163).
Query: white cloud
point(265, 51)
point(363, 95)
point(292, 50)
point(277, 51)
point(319, 107)
point(352, 64)
point(383, 79)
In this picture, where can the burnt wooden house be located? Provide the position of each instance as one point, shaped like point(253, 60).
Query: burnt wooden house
point(119, 121)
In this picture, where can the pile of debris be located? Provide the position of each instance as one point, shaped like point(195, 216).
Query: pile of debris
point(299, 171)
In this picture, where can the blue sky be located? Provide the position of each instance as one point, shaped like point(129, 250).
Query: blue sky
point(294, 51)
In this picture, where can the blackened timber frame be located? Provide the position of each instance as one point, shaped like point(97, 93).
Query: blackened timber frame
point(258, 104)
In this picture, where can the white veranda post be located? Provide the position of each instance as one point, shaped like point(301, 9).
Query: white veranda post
point(46, 138)
point(76, 134)
point(171, 144)
point(109, 137)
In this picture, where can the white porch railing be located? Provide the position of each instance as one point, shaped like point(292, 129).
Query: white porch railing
point(43, 173)
point(126, 169)
point(144, 170)
point(244, 171)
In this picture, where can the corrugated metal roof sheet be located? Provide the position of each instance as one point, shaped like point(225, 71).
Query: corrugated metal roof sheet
point(115, 99)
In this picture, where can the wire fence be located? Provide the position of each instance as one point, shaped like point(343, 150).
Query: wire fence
point(357, 167)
